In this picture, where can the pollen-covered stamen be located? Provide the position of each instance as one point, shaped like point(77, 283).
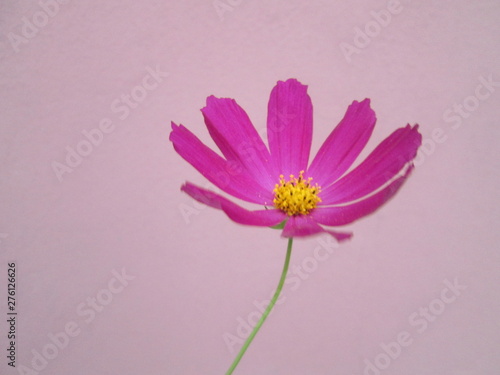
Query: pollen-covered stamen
point(297, 196)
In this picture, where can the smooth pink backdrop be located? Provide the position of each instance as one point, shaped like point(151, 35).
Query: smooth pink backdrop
point(197, 275)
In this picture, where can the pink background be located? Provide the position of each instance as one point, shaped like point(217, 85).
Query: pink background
point(197, 275)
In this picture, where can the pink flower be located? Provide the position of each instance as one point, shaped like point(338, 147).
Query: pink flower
point(306, 195)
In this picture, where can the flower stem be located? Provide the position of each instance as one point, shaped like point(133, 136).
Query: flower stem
point(267, 311)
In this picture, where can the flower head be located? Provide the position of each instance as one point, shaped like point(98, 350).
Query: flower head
point(306, 196)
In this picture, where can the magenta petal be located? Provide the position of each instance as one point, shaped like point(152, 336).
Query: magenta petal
point(344, 144)
point(342, 215)
point(217, 170)
point(378, 168)
point(239, 142)
point(339, 236)
point(301, 226)
point(289, 126)
point(263, 218)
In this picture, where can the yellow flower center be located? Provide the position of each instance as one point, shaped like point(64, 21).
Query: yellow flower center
point(296, 196)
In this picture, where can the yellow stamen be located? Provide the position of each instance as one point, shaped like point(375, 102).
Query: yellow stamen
point(296, 196)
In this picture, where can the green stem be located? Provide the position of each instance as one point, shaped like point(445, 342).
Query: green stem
point(267, 311)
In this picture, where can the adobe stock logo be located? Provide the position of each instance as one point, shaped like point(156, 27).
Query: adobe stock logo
point(456, 114)
point(420, 320)
point(59, 341)
point(296, 276)
point(121, 107)
point(363, 37)
point(31, 26)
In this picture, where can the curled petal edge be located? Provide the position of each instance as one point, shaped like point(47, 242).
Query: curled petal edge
point(302, 226)
point(342, 215)
point(240, 215)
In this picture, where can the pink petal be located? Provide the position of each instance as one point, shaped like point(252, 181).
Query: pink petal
point(289, 126)
point(377, 169)
point(263, 218)
point(220, 172)
point(301, 226)
point(342, 215)
point(239, 142)
point(344, 144)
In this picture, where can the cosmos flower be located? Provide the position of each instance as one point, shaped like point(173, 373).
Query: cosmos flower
point(304, 197)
